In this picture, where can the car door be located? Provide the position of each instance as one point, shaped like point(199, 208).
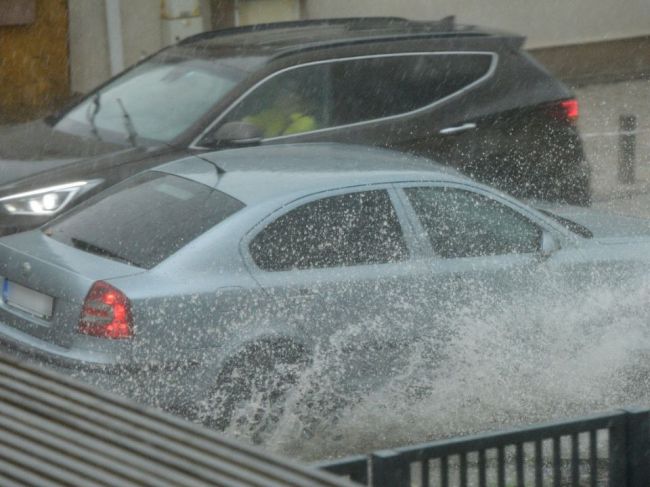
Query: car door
point(490, 248)
point(416, 101)
point(342, 273)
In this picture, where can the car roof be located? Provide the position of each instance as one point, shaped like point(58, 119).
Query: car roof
point(281, 38)
point(256, 174)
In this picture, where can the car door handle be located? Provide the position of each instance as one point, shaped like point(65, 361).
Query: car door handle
point(458, 129)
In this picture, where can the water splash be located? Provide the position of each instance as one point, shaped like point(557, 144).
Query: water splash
point(513, 363)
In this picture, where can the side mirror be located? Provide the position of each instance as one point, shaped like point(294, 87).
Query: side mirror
point(234, 134)
point(548, 245)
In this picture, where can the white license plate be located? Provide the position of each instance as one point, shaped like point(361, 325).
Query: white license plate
point(26, 299)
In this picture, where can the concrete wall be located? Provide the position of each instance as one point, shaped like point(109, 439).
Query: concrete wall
point(89, 64)
point(89, 51)
point(544, 22)
point(141, 29)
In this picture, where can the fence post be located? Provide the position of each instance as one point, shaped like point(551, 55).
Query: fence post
point(637, 450)
point(388, 470)
point(626, 148)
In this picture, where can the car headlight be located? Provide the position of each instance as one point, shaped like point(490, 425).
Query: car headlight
point(44, 201)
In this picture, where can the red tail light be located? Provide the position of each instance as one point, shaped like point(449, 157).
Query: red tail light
point(566, 110)
point(106, 313)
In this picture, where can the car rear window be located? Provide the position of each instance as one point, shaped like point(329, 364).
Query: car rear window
point(145, 219)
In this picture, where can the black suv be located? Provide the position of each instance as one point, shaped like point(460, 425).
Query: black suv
point(460, 95)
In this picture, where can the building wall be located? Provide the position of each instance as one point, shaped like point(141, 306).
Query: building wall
point(89, 50)
point(544, 22)
point(141, 29)
point(89, 62)
point(262, 11)
point(34, 63)
point(549, 23)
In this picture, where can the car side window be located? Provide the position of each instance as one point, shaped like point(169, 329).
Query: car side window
point(346, 230)
point(461, 223)
point(343, 92)
point(291, 102)
point(367, 89)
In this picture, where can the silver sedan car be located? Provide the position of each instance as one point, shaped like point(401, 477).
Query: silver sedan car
point(205, 279)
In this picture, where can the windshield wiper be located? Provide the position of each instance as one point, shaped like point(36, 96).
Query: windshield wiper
point(91, 116)
point(128, 124)
point(94, 249)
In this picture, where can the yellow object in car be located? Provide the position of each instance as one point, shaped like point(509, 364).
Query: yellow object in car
point(274, 122)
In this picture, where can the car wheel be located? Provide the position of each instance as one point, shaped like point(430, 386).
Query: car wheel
point(251, 390)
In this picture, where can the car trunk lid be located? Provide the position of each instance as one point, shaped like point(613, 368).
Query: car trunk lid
point(44, 283)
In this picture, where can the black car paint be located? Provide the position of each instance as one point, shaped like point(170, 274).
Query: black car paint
point(508, 107)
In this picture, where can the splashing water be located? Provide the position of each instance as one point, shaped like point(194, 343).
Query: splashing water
point(519, 362)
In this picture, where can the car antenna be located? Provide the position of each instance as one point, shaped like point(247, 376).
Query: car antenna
point(91, 116)
point(219, 169)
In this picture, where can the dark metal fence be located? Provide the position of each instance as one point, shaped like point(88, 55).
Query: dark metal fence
point(611, 449)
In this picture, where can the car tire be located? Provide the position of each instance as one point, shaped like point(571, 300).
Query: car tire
point(251, 390)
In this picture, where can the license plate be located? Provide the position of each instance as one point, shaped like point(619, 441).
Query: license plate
point(27, 300)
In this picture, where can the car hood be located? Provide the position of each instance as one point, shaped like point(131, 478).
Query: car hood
point(605, 226)
point(33, 147)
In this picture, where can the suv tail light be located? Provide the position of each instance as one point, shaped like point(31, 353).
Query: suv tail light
point(106, 313)
point(565, 110)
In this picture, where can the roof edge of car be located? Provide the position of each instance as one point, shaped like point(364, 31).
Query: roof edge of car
point(512, 40)
point(447, 23)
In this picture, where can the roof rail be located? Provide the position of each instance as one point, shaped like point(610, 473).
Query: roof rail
point(446, 22)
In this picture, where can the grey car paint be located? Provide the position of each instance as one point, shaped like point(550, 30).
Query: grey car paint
point(208, 301)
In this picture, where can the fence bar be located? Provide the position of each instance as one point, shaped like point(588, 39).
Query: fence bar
point(575, 460)
point(539, 479)
point(463, 470)
point(637, 452)
point(424, 473)
point(557, 462)
point(519, 461)
point(593, 458)
point(388, 469)
point(617, 463)
point(627, 148)
point(482, 467)
point(501, 467)
point(444, 471)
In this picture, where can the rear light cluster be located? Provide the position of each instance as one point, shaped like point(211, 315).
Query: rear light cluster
point(566, 110)
point(106, 313)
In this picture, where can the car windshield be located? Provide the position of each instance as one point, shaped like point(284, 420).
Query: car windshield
point(155, 101)
point(144, 220)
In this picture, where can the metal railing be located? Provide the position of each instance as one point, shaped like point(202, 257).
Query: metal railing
point(611, 449)
point(55, 431)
